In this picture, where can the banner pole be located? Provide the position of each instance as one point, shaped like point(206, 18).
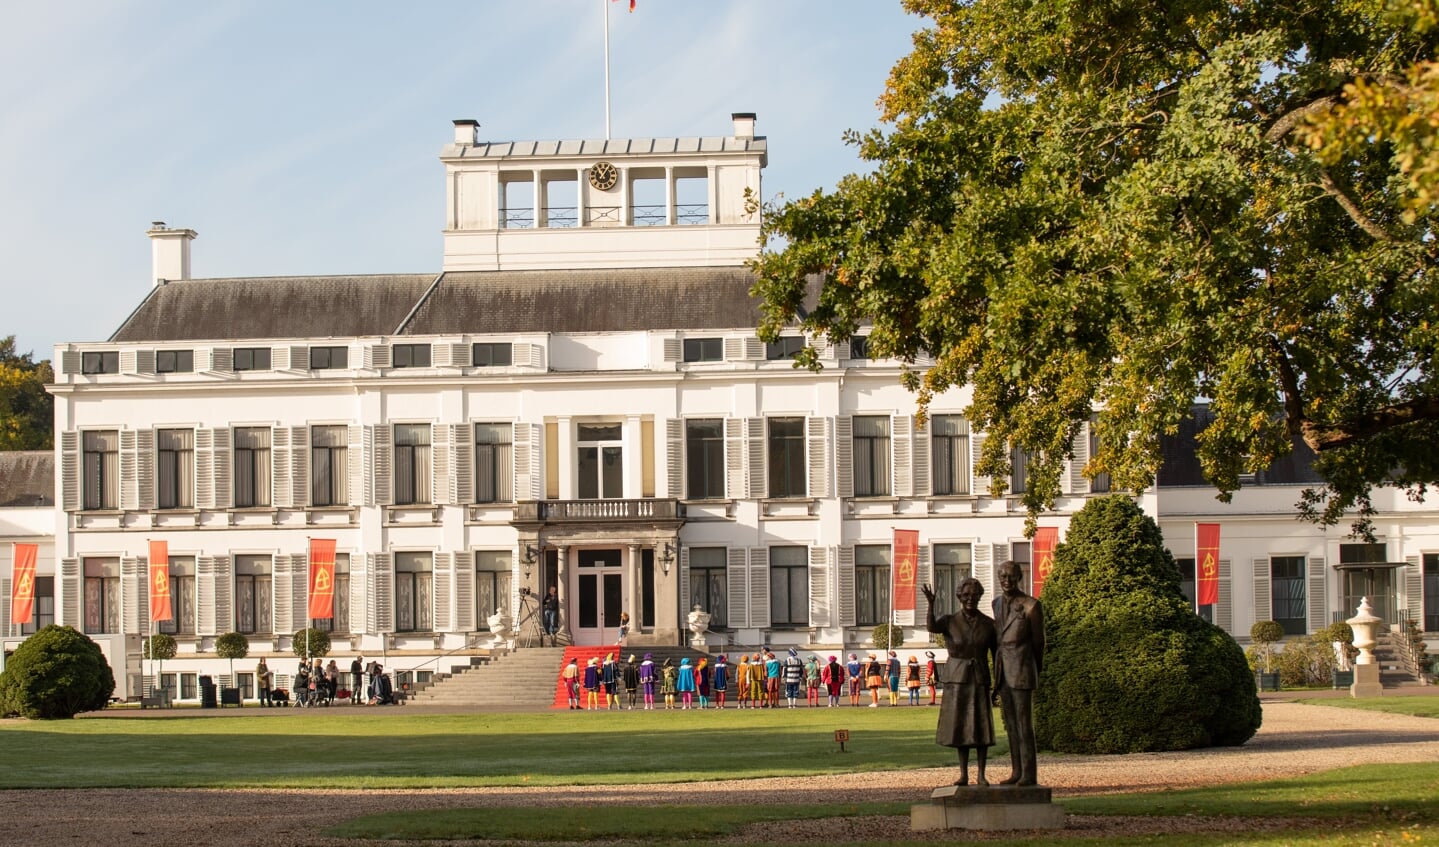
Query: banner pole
point(606, 5)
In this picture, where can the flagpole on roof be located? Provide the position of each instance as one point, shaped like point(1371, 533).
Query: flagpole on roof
point(606, 5)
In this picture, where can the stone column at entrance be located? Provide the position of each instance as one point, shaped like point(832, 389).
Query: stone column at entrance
point(634, 587)
point(562, 581)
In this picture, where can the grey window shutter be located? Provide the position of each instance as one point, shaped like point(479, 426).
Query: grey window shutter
point(1000, 554)
point(280, 358)
point(821, 603)
point(733, 349)
point(1078, 482)
point(671, 349)
point(442, 458)
point(220, 468)
point(300, 590)
point(817, 436)
point(980, 486)
point(462, 463)
point(1224, 609)
point(753, 347)
point(134, 596)
point(355, 453)
point(1414, 590)
point(281, 492)
point(736, 486)
point(69, 590)
point(361, 621)
point(299, 357)
point(282, 596)
point(222, 359)
point(5, 605)
point(686, 598)
point(1263, 606)
point(529, 461)
point(464, 592)
point(377, 356)
point(922, 484)
point(984, 567)
point(204, 469)
point(137, 469)
point(69, 472)
point(755, 455)
point(737, 587)
point(674, 456)
point(145, 361)
point(70, 362)
point(844, 456)
point(759, 587)
point(300, 465)
point(384, 465)
point(1318, 595)
point(443, 587)
point(845, 572)
point(902, 447)
point(382, 592)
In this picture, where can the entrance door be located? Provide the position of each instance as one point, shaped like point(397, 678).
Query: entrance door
point(599, 593)
point(1378, 585)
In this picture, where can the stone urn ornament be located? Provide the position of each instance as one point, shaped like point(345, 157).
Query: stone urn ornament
point(499, 629)
point(699, 624)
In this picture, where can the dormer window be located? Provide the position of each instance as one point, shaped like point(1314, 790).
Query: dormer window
point(704, 349)
point(329, 358)
point(107, 362)
point(175, 361)
point(786, 347)
point(252, 359)
point(492, 355)
point(410, 356)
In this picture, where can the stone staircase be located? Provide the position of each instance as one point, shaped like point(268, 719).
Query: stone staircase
point(520, 680)
point(1393, 671)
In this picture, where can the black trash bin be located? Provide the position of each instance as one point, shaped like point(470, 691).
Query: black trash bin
point(208, 699)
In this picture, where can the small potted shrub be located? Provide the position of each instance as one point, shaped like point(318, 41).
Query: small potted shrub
point(1265, 634)
point(887, 637)
point(232, 646)
point(1340, 637)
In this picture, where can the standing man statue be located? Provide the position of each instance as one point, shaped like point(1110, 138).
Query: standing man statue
point(1019, 620)
point(966, 719)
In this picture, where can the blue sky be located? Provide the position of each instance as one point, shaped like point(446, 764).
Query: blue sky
point(302, 138)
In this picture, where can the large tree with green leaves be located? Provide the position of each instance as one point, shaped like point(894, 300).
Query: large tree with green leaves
point(1123, 205)
point(26, 410)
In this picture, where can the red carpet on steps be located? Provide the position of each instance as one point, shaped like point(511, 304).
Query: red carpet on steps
point(583, 654)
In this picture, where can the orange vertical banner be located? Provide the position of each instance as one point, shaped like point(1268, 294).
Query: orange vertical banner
point(322, 578)
point(1045, 540)
point(22, 588)
point(160, 608)
point(906, 568)
point(1206, 564)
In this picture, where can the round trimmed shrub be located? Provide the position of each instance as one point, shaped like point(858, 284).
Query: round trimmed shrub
point(883, 633)
point(159, 646)
point(232, 646)
point(56, 673)
point(318, 643)
point(1129, 666)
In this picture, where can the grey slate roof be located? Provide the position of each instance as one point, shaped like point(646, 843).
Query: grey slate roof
point(27, 478)
point(571, 301)
point(275, 307)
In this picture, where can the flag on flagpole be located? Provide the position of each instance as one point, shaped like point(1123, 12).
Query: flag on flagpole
point(322, 578)
point(1206, 564)
point(906, 568)
point(632, 4)
point(1045, 540)
point(160, 608)
point(22, 588)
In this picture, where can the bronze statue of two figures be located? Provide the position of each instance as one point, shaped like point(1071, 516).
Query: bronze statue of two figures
point(1013, 643)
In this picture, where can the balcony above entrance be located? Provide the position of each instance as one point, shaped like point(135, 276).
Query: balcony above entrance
point(646, 512)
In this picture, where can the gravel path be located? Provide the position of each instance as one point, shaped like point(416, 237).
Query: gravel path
point(1295, 739)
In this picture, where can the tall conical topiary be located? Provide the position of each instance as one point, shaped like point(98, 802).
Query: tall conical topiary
point(1129, 666)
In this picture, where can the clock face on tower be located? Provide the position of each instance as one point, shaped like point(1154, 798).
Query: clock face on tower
point(603, 176)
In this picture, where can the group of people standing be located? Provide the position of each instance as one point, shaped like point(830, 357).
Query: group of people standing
point(319, 683)
point(760, 681)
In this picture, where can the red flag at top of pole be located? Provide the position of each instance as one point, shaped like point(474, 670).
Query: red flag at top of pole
point(159, 577)
point(322, 578)
point(632, 4)
point(1045, 540)
point(906, 568)
point(1206, 564)
point(22, 589)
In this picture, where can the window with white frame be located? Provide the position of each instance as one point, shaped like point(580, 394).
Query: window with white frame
point(494, 465)
point(100, 456)
point(953, 563)
point(412, 464)
point(174, 361)
point(1431, 592)
point(871, 584)
point(102, 595)
point(1018, 470)
point(251, 359)
point(789, 586)
point(601, 461)
point(100, 362)
point(252, 466)
point(704, 349)
point(786, 457)
point(871, 456)
point(709, 584)
point(784, 347)
point(493, 575)
point(704, 459)
point(254, 576)
point(414, 573)
point(490, 354)
point(949, 454)
point(329, 465)
point(175, 468)
point(1286, 594)
point(410, 356)
point(329, 358)
point(182, 597)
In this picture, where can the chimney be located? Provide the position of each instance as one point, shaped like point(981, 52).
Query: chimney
point(743, 125)
point(466, 131)
point(169, 253)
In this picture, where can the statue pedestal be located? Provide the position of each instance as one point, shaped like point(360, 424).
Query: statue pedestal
point(995, 807)
point(1366, 682)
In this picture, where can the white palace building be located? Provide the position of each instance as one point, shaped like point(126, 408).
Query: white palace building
point(576, 397)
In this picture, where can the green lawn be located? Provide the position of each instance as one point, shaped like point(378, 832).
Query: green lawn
point(393, 748)
point(1378, 805)
point(1417, 705)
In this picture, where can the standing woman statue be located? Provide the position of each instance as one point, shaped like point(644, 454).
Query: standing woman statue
point(966, 719)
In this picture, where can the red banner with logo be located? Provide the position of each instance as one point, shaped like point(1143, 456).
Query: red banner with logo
point(322, 578)
point(160, 607)
point(22, 588)
point(1045, 540)
point(906, 568)
point(1206, 564)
